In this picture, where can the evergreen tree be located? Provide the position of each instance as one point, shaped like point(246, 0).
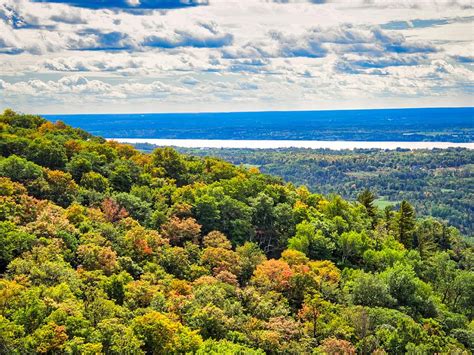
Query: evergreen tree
point(405, 224)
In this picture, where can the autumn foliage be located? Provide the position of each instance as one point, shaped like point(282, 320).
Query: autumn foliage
point(104, 249)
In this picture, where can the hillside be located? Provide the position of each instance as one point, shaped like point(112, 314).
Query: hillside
point(438, 182)
point(105, 249)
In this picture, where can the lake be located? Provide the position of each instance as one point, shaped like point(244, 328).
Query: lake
point(388, 125)
point(270, 144)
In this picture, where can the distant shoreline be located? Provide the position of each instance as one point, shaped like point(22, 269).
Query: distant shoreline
point(274, 144)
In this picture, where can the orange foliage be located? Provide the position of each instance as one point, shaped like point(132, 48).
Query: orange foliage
point(179, 230)
point(220, 259)
point(143, 242)
point(112, 210)
point(334, 346)
point(273, 275)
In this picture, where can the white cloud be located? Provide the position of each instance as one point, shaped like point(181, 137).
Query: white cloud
point(234, 55)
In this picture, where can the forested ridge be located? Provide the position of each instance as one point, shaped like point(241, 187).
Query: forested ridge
point(104, 249)
point(438, 182)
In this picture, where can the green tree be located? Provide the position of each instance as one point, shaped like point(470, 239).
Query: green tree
point(367, 198)
point(371, 290)
point(78, 166)
point(161, 335)
point(206, 210)
point(405, 224)
point(94, 181)
point(118, 338)
point(121, 178)
point(311, 242)
point(50, 154)
point(19, 169)
point(14, 241)
point(225, 347)
point(171, 162)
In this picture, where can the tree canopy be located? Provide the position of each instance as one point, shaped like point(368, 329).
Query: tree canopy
point(105, 249)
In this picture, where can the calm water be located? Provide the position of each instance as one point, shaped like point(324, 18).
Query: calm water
point(262, 144)
point(390, 125)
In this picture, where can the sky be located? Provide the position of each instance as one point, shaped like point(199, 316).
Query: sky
point(133, 56)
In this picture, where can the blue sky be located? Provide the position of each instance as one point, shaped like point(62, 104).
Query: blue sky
point(82, 56)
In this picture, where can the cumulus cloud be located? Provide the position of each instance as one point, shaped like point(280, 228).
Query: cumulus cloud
point(69, 17)
point(76, 87)
point(129, 4)
point(415, 4)
point(133, 50)
point(202, 36)
point(375, 47)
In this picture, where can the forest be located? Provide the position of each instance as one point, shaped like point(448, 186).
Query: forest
point(108, 250)
point(438, 182)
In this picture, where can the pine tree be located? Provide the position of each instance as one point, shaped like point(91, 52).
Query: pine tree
point(406, 224)
point(366, 198)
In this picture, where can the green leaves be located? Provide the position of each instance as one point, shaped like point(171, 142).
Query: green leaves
point(117, 252)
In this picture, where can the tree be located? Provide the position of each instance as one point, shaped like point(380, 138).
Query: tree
point(11, 337)
point(162, 335)
point(141, 243)
point(425, 236)
point(264, 221)
point(50, 154)
point(179, 231)
point(221, 259)
point(272, 275)
point(60, 188)
point(121, 178)
point(250, 255)
point(14, 241)
point(21, 120)
point(112, 210)
point(95, 257)
point(236, 220)
point(334, 346)
point(311, 242)
point(48, 339)
point(352, 245)
point(137, 208)
point(118, 338)
point(405, 222)
point(19, 169)
point(371, 290)
point(78, 166)
point(206, 210)
point(171, 162)
point(311, 311)
point(225, 347)
point(216, 239)
point(462, 293)
point(409, 291)
point(94, 181)
point(367, 198)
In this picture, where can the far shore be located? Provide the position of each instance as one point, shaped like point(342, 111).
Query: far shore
point(270, 144)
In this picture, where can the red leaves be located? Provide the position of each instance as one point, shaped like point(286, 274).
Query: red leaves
point(112, 210)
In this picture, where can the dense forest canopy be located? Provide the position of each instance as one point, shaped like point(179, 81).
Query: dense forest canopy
point(438, 182)
point(105, 249)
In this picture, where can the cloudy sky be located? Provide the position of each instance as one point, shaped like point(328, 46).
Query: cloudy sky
point(84, 56)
